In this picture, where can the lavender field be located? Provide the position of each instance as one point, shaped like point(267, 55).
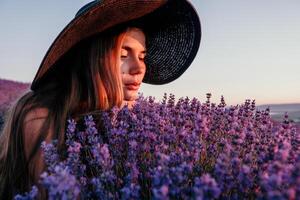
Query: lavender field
point(181, 149)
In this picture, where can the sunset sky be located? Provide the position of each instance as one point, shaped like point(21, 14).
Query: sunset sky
point(248, 50)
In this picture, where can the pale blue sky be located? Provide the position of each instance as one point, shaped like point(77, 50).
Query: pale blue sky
point(249, 49)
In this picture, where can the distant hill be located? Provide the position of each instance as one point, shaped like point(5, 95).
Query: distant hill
point(10, 91)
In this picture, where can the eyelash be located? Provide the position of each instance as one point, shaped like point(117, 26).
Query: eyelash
point(125, 56)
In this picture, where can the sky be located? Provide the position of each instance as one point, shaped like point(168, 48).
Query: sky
point(248, 49)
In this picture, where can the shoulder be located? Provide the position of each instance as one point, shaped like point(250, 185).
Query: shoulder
point(33, 122)
point(36, 114)
point(32, 126)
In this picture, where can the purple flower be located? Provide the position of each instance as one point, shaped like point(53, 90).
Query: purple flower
point(206, 188)
point(180, 149)
point(50, 154)
point(131, 191)
point(70, 133)
point(28, 196)
point(61, 184)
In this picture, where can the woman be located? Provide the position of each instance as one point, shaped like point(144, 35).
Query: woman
point(98, 61)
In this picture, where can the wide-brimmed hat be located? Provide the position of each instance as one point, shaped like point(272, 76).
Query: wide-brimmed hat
point(172, 29)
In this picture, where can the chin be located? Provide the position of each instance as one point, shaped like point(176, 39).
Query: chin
point(130, 97)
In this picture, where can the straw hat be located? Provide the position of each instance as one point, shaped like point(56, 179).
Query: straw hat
point(172, 28)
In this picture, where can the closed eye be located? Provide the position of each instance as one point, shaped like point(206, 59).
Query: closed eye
point(142, 57)
point(124, 53)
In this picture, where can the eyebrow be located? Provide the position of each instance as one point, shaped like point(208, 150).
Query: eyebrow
point(128, 48)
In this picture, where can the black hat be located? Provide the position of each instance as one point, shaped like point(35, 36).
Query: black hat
point(172, 28)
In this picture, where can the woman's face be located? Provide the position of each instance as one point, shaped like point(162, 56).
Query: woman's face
point(133, 68)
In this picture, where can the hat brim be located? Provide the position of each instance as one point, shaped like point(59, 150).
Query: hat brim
point(172, 28)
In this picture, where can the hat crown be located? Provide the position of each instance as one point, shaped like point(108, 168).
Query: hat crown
point(87, 7)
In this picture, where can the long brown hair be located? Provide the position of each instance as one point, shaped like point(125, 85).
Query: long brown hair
point(87, 78)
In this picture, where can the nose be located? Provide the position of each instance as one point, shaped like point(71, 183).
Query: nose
point(137, 66)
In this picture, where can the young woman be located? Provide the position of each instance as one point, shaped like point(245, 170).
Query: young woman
point(98, 61)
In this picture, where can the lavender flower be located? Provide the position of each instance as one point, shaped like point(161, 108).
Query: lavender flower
point(61, 184)
point(181, 149)
point(28, 196)
point(205, 188)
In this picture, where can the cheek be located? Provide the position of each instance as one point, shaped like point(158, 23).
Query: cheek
point(124, 67)
point(144, 71)
point(121, 64)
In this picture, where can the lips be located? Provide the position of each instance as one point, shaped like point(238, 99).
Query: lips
point(132, 86)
